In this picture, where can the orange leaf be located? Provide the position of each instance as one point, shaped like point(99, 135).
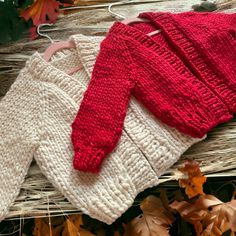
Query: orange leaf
point(194, 183)
point(208, 214)
point(41, 11)
point(41, 228)
point(155, 219)
point(72, 227)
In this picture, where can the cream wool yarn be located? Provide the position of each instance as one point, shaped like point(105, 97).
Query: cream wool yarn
point(36, 121)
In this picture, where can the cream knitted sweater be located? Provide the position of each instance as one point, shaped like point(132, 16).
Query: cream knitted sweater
point(35, 121)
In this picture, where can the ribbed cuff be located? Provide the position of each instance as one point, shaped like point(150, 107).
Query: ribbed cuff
point(88, 159)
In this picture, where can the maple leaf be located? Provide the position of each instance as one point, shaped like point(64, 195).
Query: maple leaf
point(194, 183)
point(155, 219)
point(208, 214)
point(41, 11)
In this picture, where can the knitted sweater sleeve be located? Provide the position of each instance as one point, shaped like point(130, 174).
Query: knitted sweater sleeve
point(158, 78)
point(18, 138)
point(99, 122)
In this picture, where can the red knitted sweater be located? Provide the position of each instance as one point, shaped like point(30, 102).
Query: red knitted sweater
point(186, 76)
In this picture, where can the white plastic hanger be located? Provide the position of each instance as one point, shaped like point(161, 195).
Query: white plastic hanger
point(130, 20)
point(55, 46)
point(58, 46)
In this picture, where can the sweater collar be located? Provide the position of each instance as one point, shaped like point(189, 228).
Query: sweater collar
point(52, 73)
point(87, 49)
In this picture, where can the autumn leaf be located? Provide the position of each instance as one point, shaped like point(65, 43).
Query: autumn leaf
point(41, 228)
point(41, 11)
point(69, 229)
point(155, 219)
point(193, 184)
point(72, 227)
point(208, 214)
point(190, 213)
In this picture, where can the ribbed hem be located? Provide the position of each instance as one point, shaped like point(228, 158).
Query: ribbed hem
point(108, 201)
point(197, 57)
point(213, 102)
point(105, 196)
point(88, 159)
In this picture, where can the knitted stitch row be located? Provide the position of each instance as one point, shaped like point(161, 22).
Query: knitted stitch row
point(185, 76)
point(35, 120)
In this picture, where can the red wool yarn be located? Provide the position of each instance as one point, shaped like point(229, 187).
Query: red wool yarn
point(185, 76)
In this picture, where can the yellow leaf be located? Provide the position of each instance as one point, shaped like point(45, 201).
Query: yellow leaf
point(194, 183)
point(155, 219)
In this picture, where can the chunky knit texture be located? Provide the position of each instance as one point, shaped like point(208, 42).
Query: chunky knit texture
point(185, 76)
point(36, 121)
point(161, 145)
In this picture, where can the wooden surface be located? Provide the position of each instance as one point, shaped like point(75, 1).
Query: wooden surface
point(217, 154)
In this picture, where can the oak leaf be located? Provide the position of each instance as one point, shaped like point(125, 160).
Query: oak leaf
point(208, 214)
point(155, 219)
point(193, 184)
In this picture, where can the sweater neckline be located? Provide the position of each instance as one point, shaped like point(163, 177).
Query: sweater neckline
point(119, 28)
point(45, 71)
point(84, 47)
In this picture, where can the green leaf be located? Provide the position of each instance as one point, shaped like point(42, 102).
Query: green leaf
point(11, 25)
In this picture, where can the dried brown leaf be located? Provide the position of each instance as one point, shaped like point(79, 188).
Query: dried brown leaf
point(41, 228)
point(208, 214)
point(155, 219)
point(72, 227)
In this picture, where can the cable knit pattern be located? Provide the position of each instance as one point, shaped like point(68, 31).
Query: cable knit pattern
point(37, 117)
point(178, 75)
